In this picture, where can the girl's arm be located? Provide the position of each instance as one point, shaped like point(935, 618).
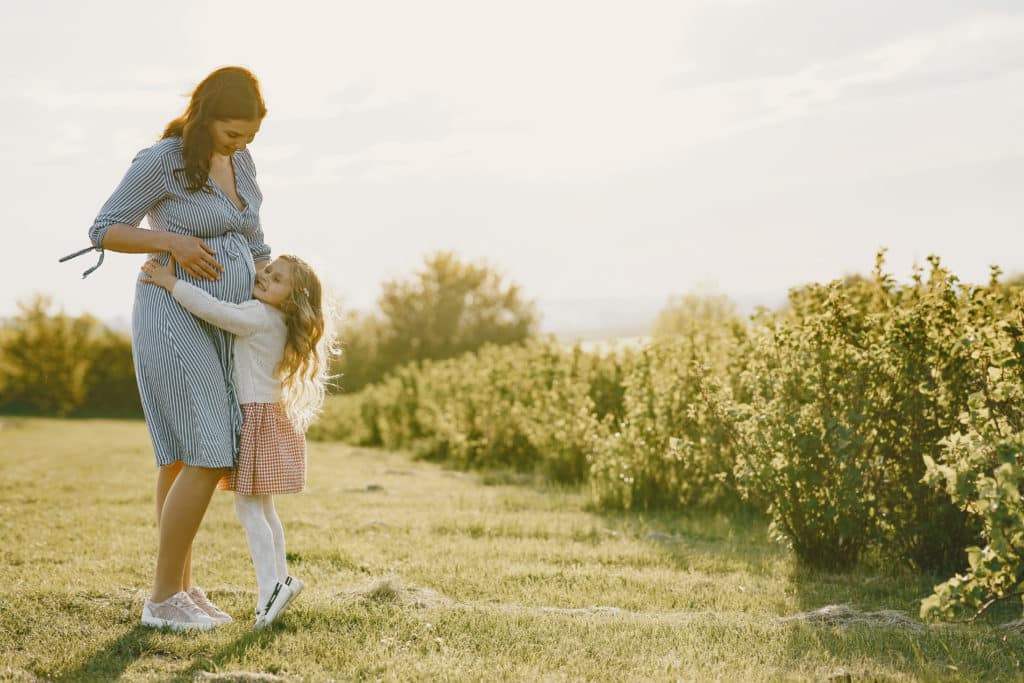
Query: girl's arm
point(238, 319)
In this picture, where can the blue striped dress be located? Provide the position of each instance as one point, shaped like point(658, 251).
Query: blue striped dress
point(183, 365)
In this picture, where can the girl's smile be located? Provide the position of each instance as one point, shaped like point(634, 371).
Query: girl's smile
point(273, 283)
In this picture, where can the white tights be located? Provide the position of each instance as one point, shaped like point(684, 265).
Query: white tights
point(266, 542)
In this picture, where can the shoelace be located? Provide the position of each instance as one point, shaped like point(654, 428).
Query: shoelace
point(204, 603)
point(191, 608)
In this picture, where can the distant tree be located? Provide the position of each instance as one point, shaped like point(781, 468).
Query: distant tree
point(41, 359)
point(110, 383)
point(695, 314)
point(451, 307)
point(360, 362)
point(447, 308)
point(708, 320)
point(1015, 281)
point(55, 364)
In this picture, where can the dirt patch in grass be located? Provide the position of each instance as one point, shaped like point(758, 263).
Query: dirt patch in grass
point(842, 616)
point(392, 591)
point(1015, 626)
point(238, 676)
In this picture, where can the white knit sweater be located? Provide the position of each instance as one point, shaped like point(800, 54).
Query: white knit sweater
point(260, 335)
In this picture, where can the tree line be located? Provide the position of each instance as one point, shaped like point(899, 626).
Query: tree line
point(52, 363)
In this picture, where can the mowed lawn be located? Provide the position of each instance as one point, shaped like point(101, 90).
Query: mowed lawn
point(418, 573)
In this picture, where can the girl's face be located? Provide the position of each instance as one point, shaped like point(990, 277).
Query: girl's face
point(232, 135)
point(273, 283)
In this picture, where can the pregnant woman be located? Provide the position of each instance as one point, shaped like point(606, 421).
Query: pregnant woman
point(198, 187)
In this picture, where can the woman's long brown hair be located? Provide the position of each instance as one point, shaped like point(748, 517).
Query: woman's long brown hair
point(230, 92)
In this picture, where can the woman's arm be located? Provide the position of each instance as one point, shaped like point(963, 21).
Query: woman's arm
point(117, 226)
point(195, 256)
point(257, 244)
point(239, 319)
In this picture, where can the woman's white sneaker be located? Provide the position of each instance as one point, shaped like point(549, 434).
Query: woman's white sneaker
point(202, 602)
point(278, 600)
point(177, 612)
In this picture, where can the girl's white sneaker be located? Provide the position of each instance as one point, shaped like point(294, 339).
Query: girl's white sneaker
point(278, 600)
point(296, 585)
point(204, 603)
point(177, 612)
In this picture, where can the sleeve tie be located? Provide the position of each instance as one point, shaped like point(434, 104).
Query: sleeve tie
point(85, 251)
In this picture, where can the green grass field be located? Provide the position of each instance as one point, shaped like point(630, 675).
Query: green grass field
point(418, 573)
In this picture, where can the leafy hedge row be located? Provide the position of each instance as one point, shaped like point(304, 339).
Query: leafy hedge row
point(52, 363)
point(870, 421)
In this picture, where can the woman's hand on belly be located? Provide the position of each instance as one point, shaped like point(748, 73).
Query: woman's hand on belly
point(195, 257)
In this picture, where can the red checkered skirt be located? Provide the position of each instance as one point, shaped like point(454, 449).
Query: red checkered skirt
point(272, 455)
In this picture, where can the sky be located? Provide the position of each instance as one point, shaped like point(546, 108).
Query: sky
point(603, 155)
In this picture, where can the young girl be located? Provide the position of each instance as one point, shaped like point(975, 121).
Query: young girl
point(280, 371)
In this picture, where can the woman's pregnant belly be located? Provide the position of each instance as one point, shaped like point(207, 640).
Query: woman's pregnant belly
point(236, 280)
point(235, 283)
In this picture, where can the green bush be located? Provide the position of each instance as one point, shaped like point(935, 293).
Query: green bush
point(982, 470)
point(55, 364)
point(851, 389)
point(802, 438)
point(528, 407)
point(111, 386)
point(669, 449)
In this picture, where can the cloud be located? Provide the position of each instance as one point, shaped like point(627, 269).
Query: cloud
point(53, 96)
point(981, 48)
point(723, 42)
point(969, 50)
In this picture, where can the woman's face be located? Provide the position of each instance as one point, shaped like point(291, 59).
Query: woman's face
point(232, 135)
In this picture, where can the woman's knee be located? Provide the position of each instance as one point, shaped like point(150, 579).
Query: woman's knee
point(211, 473)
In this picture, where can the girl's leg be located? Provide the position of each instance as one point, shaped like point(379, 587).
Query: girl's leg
point(164, 479)
point(180, 515)
point(277, 530)
point(261, 544)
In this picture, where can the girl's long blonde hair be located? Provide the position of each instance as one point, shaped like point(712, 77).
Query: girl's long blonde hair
point(305, 367)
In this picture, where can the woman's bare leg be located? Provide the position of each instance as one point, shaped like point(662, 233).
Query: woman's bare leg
point(164, 479)
point(184, 506)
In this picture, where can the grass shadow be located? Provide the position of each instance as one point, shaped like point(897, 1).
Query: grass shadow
point(236, 649)
point(111, 662)
point(114, 658)
point(729, 540)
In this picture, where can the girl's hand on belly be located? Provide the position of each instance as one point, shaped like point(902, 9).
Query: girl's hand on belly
point(196, 257)
point(160, 275)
